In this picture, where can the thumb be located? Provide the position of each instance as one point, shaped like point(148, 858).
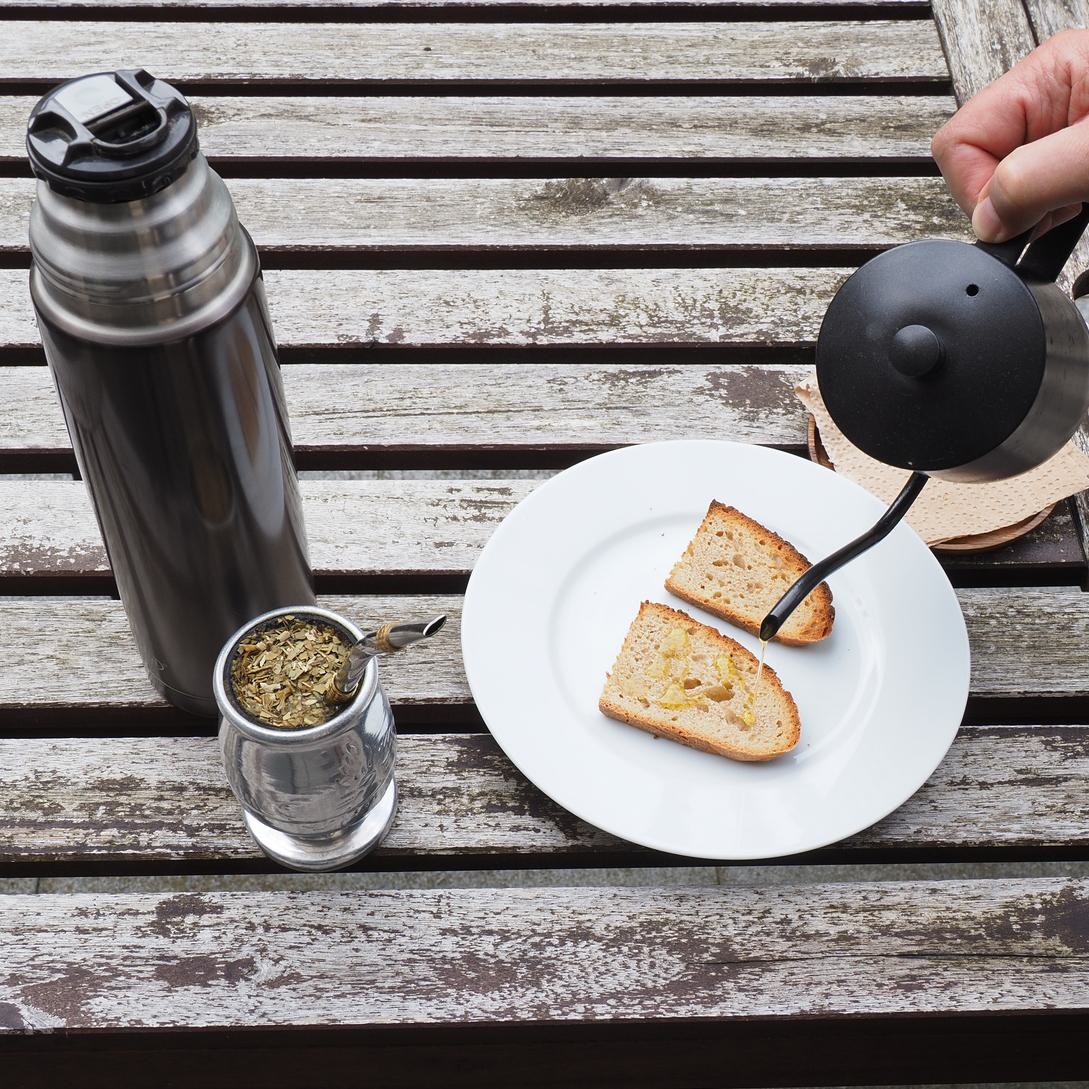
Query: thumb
point(1033, 181)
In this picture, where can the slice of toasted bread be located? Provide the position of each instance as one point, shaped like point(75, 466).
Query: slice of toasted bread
point(680, 679)
point(738, 569)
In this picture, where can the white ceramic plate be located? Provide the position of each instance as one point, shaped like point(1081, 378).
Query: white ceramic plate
point(561, 579)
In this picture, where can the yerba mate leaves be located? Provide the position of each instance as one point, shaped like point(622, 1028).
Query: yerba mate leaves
point(282, 673)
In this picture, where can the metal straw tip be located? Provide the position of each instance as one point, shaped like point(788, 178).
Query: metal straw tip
point(433, 626)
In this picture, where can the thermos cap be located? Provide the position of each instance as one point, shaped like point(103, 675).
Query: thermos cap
point(111, 137)
point(931, 355)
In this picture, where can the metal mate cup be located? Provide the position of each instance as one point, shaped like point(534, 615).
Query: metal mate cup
point(316, 798)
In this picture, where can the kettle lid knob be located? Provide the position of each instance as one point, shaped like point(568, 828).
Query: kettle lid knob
point(915, 351)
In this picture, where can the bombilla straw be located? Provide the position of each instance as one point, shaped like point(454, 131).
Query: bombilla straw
point(383, 640)
point(807, 583)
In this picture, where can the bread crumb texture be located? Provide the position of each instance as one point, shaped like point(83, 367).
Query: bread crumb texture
point(737, 569)
point(681, 679)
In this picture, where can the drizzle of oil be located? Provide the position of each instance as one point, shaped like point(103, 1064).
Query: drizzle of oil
point(760, 667)
point(672, 668)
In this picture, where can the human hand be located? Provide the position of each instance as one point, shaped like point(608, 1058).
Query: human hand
point(1017, 154)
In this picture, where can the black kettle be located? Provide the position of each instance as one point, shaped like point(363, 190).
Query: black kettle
point(954, 360)
point(965, 362)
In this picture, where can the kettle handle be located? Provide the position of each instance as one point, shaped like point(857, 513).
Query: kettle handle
point(1044, 258)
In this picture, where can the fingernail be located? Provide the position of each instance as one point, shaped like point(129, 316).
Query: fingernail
point(986, 224)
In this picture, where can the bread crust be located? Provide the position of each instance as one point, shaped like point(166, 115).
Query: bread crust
point(676, 731)
point(823, 611)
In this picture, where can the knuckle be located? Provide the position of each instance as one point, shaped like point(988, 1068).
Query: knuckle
point(943, 141)
point(1012, 182)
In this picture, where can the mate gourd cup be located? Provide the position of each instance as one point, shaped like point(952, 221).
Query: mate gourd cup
point(319, 797)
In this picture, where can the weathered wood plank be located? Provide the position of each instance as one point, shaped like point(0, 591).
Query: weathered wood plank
point(93, 641)
point(287, 215)
point(355, 527)
point(363, 408)
point(1049, 17)
point(1041, 631)
point(454, 129)
point(320, 308)
point(132, 801)
point(489, 956)
point(432, 526)
point(982, 39)
point(376, 53)
point(1027, 642)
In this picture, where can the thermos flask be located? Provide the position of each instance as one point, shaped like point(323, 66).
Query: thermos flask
point(150, 304)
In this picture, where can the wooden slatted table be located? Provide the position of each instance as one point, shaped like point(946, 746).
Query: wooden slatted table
point(508, 234)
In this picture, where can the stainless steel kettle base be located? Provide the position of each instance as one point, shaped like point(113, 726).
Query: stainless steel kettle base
point(331, 852)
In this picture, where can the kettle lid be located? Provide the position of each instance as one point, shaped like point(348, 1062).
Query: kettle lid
point(111, 136)
point(931, 355)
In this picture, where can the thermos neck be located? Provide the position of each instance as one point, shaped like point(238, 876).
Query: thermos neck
point(143, 271)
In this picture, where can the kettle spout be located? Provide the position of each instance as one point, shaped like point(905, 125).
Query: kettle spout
point(806, 583)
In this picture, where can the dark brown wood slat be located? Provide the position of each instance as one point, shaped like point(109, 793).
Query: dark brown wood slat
point(71, 803)
point(527, 956)
point(729, 1055)
point(336, 216)
point(322, 53)
point(335, 7)
point(1026, 643)
point(315, 130)
point(1053, 547)
point(356, 528)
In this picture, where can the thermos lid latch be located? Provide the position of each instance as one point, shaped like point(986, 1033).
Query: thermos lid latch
point(111, 136)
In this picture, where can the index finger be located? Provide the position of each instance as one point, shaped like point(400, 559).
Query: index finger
point(1031, 100)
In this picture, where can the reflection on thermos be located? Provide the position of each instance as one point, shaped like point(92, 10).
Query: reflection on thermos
point(151, 309)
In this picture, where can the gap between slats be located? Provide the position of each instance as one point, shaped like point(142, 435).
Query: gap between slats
point(426, 719)
point(484, 11)
point(624, 855)
point(546, 257)
point(962, 575)
point(573, 353)
point(526, 88)
point(544, 169)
